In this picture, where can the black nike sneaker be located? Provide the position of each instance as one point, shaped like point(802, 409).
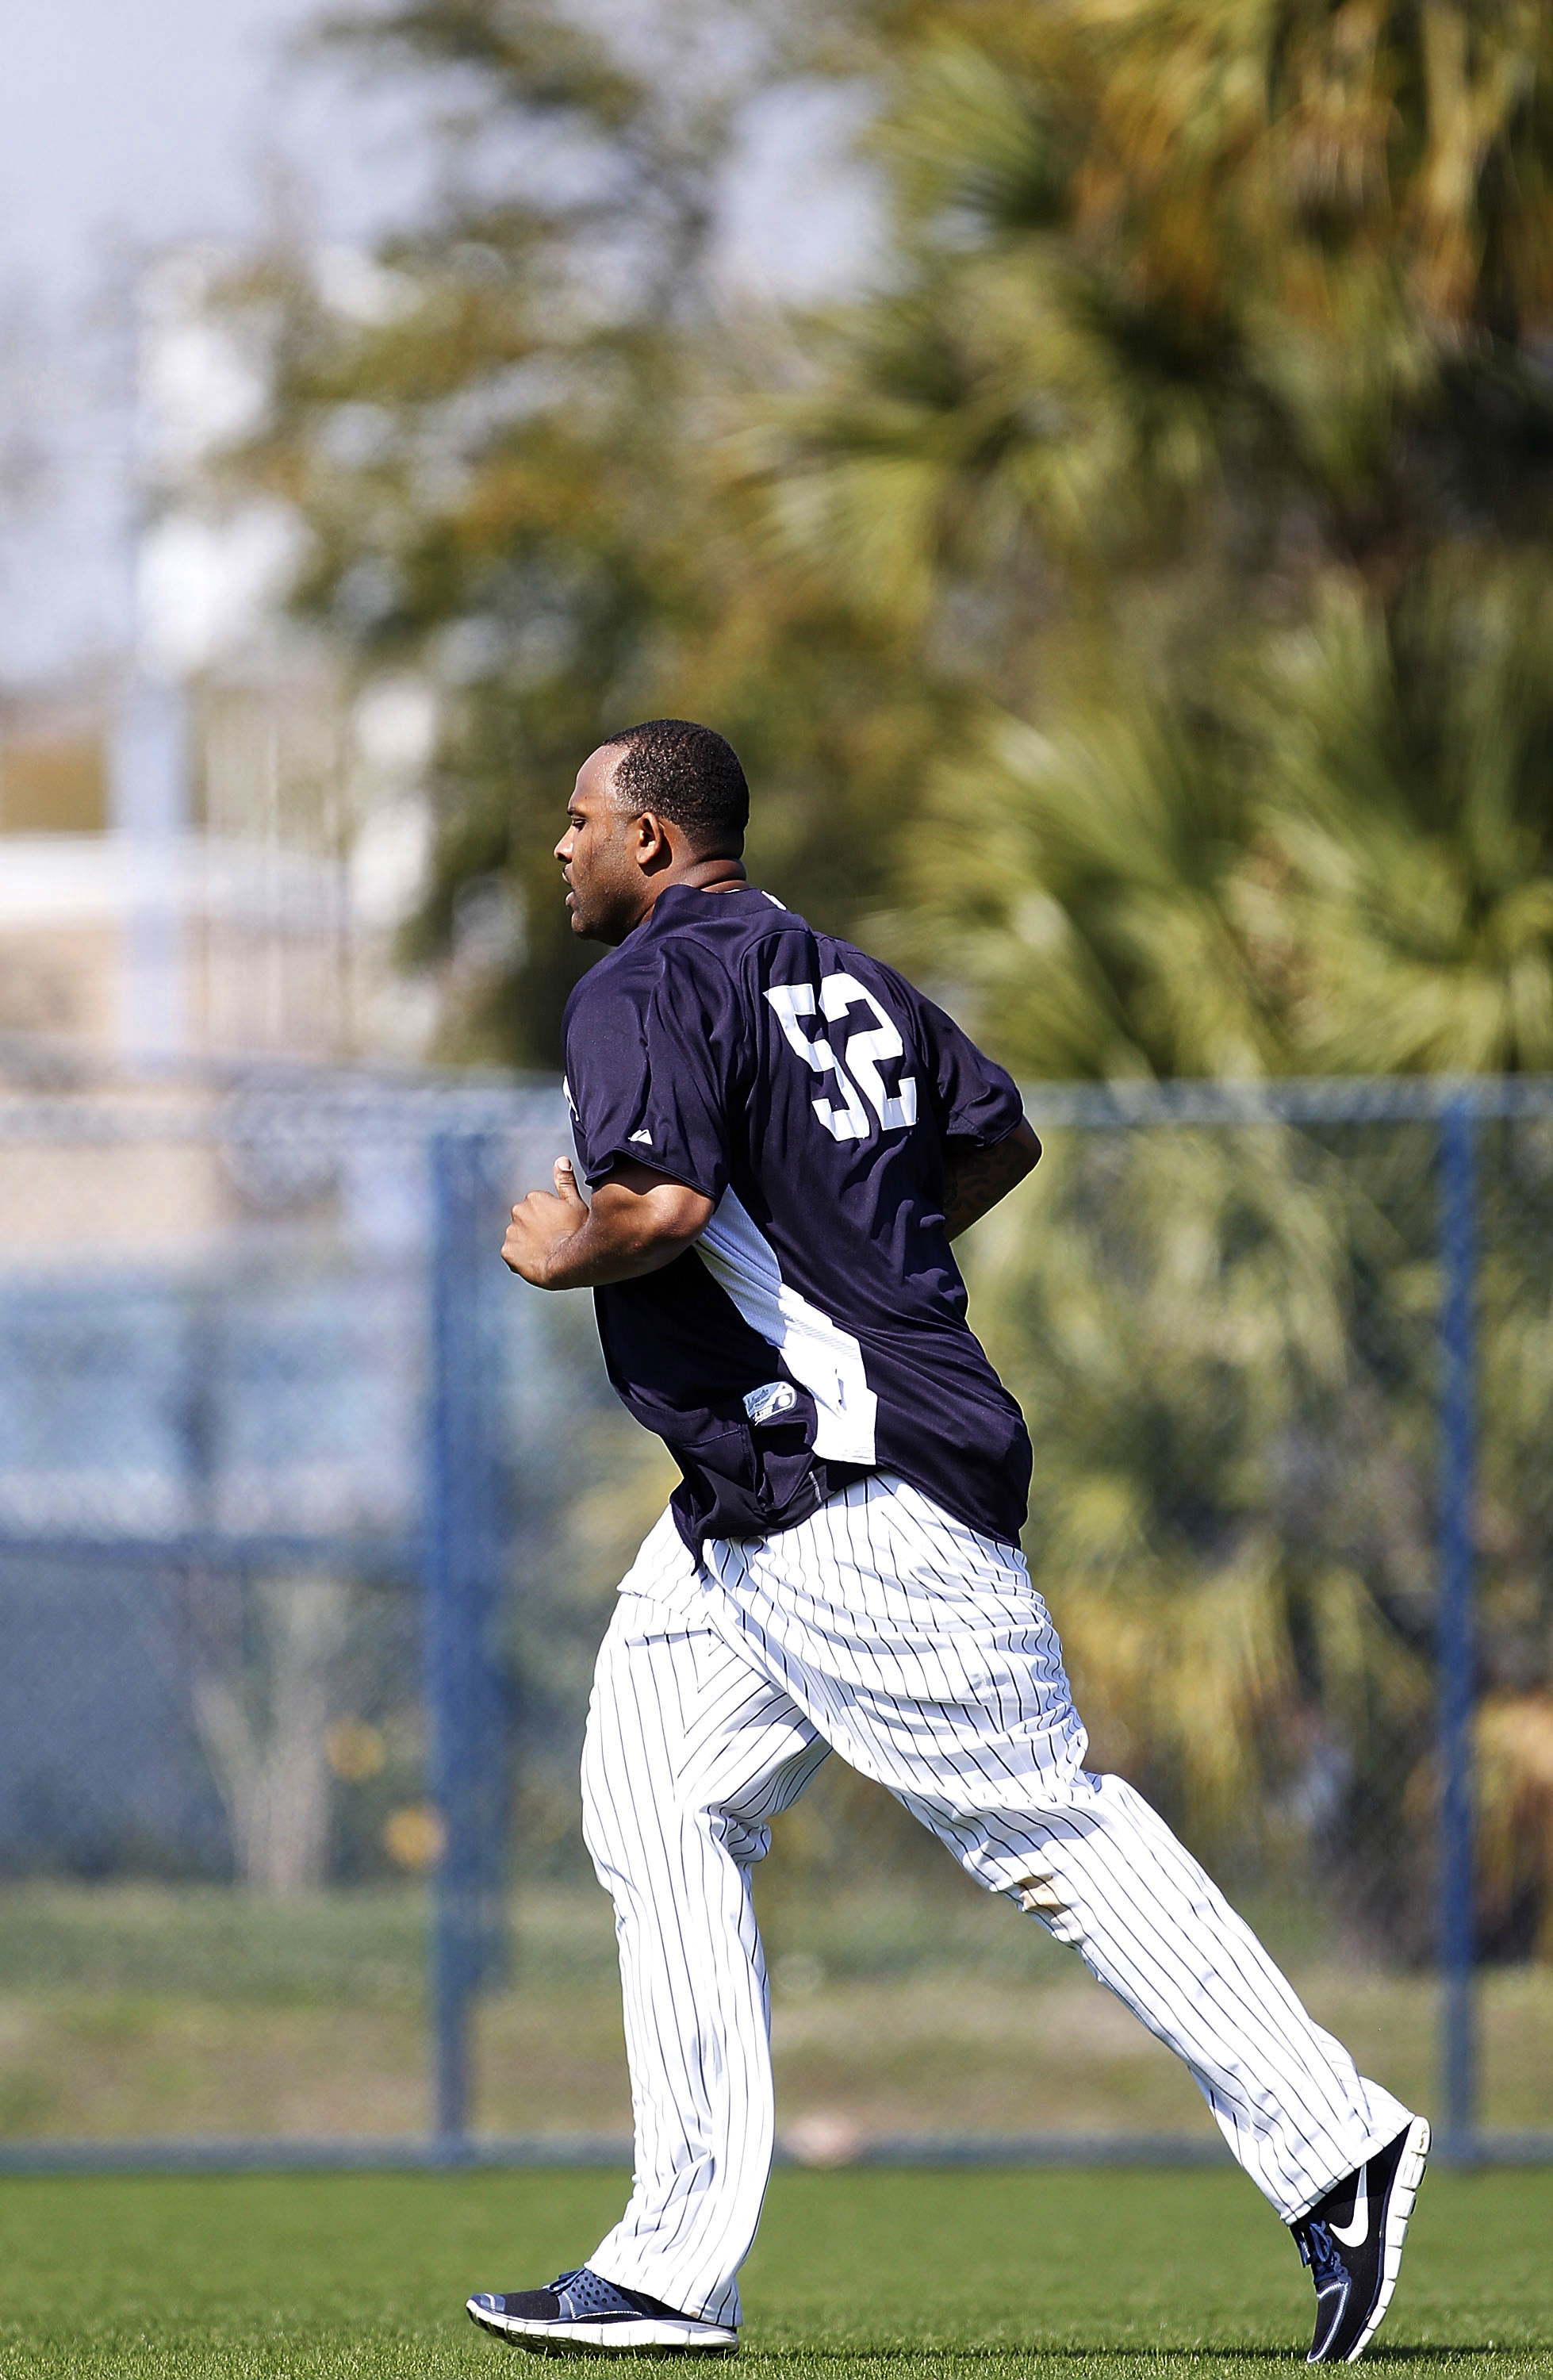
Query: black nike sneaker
point(1352, 2242)
point(581, 2313)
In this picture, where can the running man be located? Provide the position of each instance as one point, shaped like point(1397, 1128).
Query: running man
point(781, 1137)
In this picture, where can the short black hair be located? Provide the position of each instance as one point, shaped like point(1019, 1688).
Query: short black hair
point(687, 774)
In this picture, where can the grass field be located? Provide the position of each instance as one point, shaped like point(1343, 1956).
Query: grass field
point(860, 2276)
point(133, 2009)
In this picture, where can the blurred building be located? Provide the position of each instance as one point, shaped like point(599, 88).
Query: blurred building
point(211, 869)
point(208, 841)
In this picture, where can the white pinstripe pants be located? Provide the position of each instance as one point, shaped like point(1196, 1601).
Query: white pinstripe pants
point(919, 1650)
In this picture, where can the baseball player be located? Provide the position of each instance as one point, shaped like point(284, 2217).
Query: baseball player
point(782, 1138)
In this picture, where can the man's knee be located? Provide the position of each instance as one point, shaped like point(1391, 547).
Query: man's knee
point(665, 1849)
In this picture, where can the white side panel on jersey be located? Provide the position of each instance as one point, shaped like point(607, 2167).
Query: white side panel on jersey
point(817, 1350)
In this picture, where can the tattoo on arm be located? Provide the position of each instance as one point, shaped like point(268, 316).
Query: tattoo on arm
point(978, 1178)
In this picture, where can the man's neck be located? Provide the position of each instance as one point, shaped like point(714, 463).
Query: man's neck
point(701, 876)
point(714, 875)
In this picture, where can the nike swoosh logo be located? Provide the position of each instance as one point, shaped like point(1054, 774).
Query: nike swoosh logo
point(1354, 2234)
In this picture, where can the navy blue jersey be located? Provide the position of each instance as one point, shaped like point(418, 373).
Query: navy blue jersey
point(817, 1328)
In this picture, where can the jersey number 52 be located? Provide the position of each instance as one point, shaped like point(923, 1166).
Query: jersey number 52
point(846, 1118)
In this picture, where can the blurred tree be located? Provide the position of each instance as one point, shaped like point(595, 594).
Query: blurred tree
point(1207, 330)
point(1211, 324)
point(1407, 905)
point(500, 437)
point(1338, 860)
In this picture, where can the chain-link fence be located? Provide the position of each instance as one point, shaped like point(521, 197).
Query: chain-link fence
point(311, 1516)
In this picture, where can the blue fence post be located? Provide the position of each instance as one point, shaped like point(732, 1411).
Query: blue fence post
point(1457, 1929)
point(465, 1686)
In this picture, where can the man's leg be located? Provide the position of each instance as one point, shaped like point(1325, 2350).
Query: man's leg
point(689, 1754)
point(1106, 1875)
point(922, 1653)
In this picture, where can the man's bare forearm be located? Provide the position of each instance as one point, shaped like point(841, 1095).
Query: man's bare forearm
point(594, 1255)
point(638, 1222)
point(980, 1177)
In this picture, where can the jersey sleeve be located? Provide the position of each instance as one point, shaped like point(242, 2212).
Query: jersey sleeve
point(649, 1060)
point(973, 1099)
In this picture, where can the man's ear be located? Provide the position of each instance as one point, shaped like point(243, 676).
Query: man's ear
point(652, 848)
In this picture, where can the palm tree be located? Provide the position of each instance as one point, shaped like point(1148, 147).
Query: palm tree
point(1243, 271)
point(1201, 317)
point(1078, 892)
point(1409, 757)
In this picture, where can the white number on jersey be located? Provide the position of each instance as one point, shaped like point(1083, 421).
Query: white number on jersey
point(864, 1050)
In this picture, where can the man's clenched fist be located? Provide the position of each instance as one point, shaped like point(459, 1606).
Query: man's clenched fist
point(542, 1222)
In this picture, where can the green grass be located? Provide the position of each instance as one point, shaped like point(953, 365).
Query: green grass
point(364, 1948)
point(131, 2009)
point(860, 2275)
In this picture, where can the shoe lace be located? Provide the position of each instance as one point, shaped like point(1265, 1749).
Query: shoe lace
point(1319, 2250)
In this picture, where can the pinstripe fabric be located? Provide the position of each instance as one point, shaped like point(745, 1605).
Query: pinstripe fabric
point(918, 1649)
